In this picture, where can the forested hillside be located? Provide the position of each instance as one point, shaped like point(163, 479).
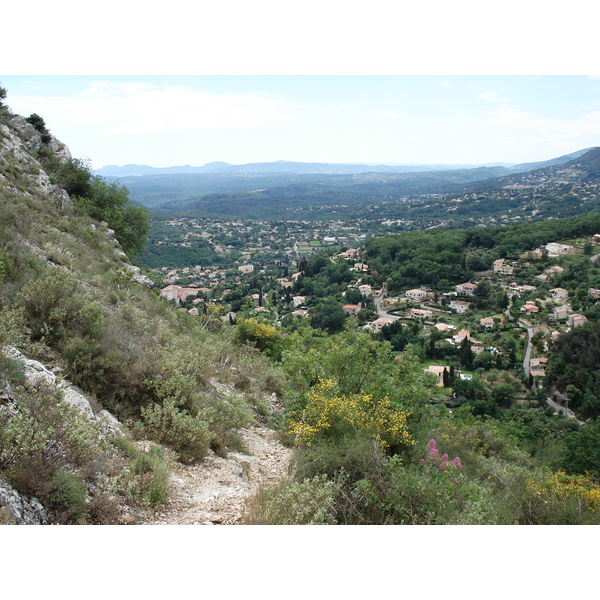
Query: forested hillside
point(561, 187)
point(434, 255)
point(374, 438)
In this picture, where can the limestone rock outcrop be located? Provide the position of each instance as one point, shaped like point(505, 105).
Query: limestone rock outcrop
point(15, 509)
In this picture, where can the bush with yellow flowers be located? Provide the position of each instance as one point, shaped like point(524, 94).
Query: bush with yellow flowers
point(329, 414)
point(568, 499)
point(262, 335)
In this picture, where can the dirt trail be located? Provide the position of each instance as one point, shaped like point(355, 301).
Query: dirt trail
point(215, 491)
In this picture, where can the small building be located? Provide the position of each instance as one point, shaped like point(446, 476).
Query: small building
point(537, 366)
point(416, 294)
point(530, 308)
point(438, 371)
point(351, 309)
point(487, 323)
point(561, 312)
point(459, 306)
point(594, 293)
point(365, 289)
point(466, 288)
point(419, 313)
point(461, 335)
point(359, 266)
point(502, 268)
point(555, 249)
point(246, 268)
point(298, 300)
point(377, 324)
point(575, 320)
point(555, 270)
point(350, 253)
point(177, 292)
point(559, 294)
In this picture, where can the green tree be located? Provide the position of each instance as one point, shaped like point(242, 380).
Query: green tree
point(465, 354)
point(329, 316)
point(582, 450)
point(109, 202)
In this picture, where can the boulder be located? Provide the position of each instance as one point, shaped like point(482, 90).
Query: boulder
point(19, 510)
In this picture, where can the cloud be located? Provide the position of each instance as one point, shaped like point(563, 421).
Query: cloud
point(514, 117)
point(491, 96)
point(392, 114)
point(119, 108)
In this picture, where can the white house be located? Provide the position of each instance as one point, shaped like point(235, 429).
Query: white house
point(576, 320)
point(487, 322)
point(559, 294)
point(351, 309)
point(466, 288)
point(177, 292)
point(298, 300)
point(459, 306)
point(377, 324)
point(416, 294)
point(419, 313)
point(502, 268)
point(555, 249)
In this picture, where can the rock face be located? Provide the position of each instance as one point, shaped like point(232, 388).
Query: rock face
point(136, 273)
point(36, 373)
point(17, 510)
point(32, 139)
point(18, 140)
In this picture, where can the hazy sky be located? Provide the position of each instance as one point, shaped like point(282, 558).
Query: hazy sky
point(319, 81)
point(176, 120)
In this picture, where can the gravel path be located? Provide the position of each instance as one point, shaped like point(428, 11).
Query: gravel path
point(215, 491)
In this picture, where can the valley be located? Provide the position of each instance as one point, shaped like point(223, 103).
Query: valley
point(316, 348)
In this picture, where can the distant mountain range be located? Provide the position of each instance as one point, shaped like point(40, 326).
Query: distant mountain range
point(254, 192)
point(283, 166)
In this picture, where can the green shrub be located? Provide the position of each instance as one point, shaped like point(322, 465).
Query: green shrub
point(356, 456)
point(188, 436)
point(57, 307)
point(310, 502)
point(147, 481)
point(67, 497)
point(224, 416)
point(46, 446)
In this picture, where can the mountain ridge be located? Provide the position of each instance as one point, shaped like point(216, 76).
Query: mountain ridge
point(300, 167)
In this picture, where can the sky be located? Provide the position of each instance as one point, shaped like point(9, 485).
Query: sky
point(322, 81)
point(391, 119)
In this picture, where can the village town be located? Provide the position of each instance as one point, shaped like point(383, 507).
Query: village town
point(512, 332)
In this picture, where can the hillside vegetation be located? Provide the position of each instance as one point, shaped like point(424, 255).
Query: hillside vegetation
point(373, 440)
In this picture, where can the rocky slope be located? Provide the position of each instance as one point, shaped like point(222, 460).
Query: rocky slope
point(48, 472)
